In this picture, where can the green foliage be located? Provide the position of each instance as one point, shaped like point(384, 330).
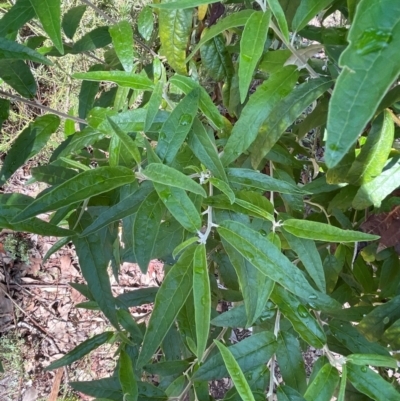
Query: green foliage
point(245, 164)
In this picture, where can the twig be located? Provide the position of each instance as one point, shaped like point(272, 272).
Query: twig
point(319, 207)
point(40, 106)
point(113, 21)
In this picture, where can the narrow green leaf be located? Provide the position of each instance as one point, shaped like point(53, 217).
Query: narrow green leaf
point(300, 317)
point(153, 105)
point(122, 78)
point(177, 126)
point(97, 38)
point(145, 22)
point(235, 372)
point(126, 207)
point(284, 114)
point(182, 4)
point(249, 353)
point(122, 38)
point(137, 297)
point(202, 298)
point(324, 232)
point(82, 186)
point(56, 247)
point(72, 19)
point(234, 20)
point(256, 110)
point(372, 384)
point(224, 188)
point(267, 258)
point(11, 50)
point(206, 105)
point(49, 14)
point(28, 143)
point(324, 384)
point(1, 368)
point(205, 150)
point(254, 179)
point(286, 393)
point(278, 13)
point(181, 207)
point(374, 154)
point(375, 191)
point(74, 164)
point(81, 350)
point(370, 61)
point(343, 381)
point(126, 141)
point(19, 76)
point(4, 110)
point(184, 245)
point(127, 377)
point(174, 31)
point(166, 175)
point(168, 368)
point(290, 360)
point(16, 17)
point(169, 300)
point(307, 10)
point(373, 360)
point(145, 229)
point(251, 48)
point(308, 253)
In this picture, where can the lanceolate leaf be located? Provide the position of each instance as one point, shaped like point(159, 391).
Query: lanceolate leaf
point(308, 253)
point(251, 48)
point(182, 4)
point(121, 78)
point(375, 191)
point(231, 21)
point(127, 377)
point(31, 140)
point(78, 188)
point(169, 300)
point(81, 350)
point(324, 232)
point(373, 156)
point(323, 385)
point(236, 373)
point(145, 22)
point(145, 229)
point(14, 51)
point(122, 37)
point(284, 114)
point(95, 39)
point(267, 258)
point(49, 14)
point(19, 14)
point(307, 10)
point(181, 207)
point(373, 360)
point(202, 298)
point(256, 110)
point(249, 353)
point(278, 13)
point(370, 61)
point(174, 30)
point(370, 383)
point(178, 125)
point(71, 20)
point(153, 105)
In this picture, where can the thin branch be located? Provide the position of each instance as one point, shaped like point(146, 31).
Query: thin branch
point(113, 21)
point(40, 106)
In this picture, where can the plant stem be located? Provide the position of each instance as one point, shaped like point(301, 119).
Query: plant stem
point(40, 106)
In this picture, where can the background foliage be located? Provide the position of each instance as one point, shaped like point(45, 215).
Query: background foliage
point(209, 136)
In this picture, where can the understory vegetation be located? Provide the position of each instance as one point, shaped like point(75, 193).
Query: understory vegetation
point(252, 146)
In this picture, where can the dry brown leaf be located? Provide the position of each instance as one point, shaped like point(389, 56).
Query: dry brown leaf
point(56, 385)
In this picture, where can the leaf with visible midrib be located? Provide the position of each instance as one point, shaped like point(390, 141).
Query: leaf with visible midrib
point(370, 61)
point(49, 14)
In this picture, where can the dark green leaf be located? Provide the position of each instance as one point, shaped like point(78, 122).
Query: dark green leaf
point(169, 368)
point(81, 350)
point(95, 39)
point(182, 4)
point(286, 393)
point(307, 10)
point(18, 75)
point(82, 186)
point(324, 384)
point(373, 360)
point(290, 360)
point(122, 38)
point(177, 126)
point(16, 17)
point(370, 383)
point(145, 22)
point(31, 140)
point(4, 110)
point(153, 105)
point(284, 114)
point(71, 20)
point(251, 48)
point(127, 377)
point(169, 300)
point(249, 353)
point(137, 297)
